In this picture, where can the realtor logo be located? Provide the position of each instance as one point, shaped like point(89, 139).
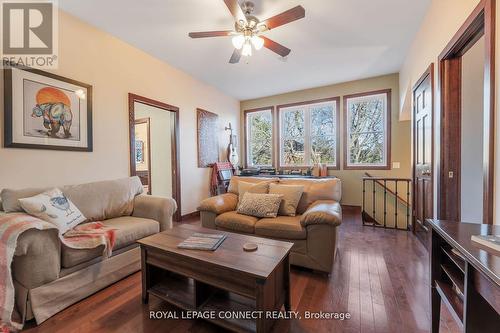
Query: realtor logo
point(29, 33)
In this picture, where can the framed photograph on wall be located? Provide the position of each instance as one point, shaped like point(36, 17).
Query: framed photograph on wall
point(46, 111)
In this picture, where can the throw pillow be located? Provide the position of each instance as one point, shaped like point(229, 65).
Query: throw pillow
point(244, 187)
point(10, 198)
point(260, 205)
point(291, 197)
point(54, 207)
point(235, 180)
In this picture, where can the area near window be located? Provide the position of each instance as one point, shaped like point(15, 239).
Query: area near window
point(367, 130)
point(259, 137)
point(309, 133)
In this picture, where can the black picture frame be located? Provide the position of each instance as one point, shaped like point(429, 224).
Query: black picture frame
point(9, 111)
point(226, 175)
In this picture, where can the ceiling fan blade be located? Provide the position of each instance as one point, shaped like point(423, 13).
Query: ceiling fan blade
point(236, 10)
point(235, 58)
point(204, 34)
point(290, 15)
point(276, 47)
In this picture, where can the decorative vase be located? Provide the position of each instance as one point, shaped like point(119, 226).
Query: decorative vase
point(316, 170)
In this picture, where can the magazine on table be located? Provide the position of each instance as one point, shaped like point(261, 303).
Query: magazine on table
point(201, 241)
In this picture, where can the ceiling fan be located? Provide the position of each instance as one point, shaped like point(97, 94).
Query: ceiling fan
point(248, 29)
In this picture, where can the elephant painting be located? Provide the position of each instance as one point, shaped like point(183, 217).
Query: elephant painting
point(54, 107)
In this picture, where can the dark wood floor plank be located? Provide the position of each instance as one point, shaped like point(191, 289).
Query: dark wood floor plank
point(366, 301)
point(381, 277)
point(390, 304)
point(353, 294)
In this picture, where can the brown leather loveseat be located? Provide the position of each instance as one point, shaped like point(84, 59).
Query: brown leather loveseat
point(313, 230)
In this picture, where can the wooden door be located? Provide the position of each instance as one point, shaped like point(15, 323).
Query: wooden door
point(423, 151)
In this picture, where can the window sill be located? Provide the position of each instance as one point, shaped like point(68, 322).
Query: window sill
point(367, 167)
point(305, 167)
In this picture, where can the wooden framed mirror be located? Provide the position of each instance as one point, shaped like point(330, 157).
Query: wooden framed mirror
point(154, 147)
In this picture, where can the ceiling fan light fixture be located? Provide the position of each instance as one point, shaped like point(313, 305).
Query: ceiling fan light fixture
point(257, 42)
point(247, 50)
point(238, 41)
point(247, 28)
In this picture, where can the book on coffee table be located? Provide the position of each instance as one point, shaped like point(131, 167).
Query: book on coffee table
point(205, 242)
point(489, 243)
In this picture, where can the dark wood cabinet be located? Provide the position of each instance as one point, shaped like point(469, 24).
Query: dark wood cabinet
point(464, 277)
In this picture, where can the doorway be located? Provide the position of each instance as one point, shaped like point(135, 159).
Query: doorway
point(466, 90)
point(154, 147)
point(423, 154)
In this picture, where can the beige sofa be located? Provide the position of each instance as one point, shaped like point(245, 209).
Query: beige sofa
point(313, 231)
point(49, 277)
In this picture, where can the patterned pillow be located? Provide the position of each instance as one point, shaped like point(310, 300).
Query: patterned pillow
point(260, 205)
point(53, 206)
point(291, 197)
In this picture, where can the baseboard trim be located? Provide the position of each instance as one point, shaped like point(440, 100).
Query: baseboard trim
point(189, 216)
point(351, 206)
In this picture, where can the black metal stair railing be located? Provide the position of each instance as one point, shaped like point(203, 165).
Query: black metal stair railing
point(392, 200)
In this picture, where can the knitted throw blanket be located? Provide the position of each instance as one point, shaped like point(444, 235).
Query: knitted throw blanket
point(84, 236)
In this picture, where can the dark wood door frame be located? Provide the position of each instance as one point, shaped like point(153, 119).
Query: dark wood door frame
point(174, 130)
point(480, 23)
point(429, 73)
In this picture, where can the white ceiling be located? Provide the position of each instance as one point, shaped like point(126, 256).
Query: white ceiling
point(338, 41)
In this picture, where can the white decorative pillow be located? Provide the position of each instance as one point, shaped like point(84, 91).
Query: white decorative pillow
point(53, 206)
point(260, 205)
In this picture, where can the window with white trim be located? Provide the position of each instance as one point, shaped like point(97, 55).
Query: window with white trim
point(367, 125)
point(308, 134)
point(259, 137)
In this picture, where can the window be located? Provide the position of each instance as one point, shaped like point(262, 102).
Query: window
point(309, 133)
point(367, 125)
point(259, 137)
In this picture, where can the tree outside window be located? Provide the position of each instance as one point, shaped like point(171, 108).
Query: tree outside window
point(368, 127)
point(308, 133)
point(259, 129)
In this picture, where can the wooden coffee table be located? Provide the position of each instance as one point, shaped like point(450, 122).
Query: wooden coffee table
point(228, 279)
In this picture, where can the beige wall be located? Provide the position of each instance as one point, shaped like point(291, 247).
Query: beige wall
point(114, 69)
point(400, 147)
point(442, 21)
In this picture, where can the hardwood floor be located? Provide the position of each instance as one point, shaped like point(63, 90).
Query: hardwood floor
point(380, 277)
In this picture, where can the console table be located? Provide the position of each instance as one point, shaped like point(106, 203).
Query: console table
point(464, 277)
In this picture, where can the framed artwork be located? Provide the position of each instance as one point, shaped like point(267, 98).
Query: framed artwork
point(139, 151)
point(225, 175)
point(208, 143)
point(46, 111)
point(143, 151)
